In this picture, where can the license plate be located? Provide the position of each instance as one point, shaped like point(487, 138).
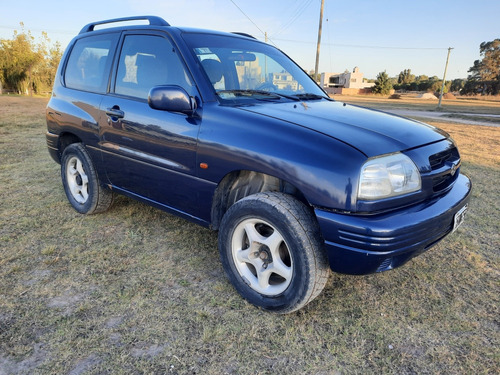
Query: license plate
point(459, 218)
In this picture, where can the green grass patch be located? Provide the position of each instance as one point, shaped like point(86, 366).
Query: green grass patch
point(136, 290)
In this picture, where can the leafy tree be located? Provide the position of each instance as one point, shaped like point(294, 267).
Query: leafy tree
point(419, 84)
point(436, 87)
point(316, 78)
point(17, 60)
point(485, 73)
point(431, 84)
point(457, 85)
point(405, 79)
point(27, 66)
point(383, 84)
point(46, 70)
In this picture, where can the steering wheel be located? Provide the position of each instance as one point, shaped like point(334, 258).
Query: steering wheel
point(267, 86)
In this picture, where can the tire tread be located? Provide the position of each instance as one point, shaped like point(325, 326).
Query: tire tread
point(306, 229)
point(102, 198)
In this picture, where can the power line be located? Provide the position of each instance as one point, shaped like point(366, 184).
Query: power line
point(296, 14)
point(263, 33)
point(363, 46)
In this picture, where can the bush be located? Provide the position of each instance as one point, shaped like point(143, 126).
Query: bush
point(383, 84)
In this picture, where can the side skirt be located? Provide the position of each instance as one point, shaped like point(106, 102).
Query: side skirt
point(161, 206)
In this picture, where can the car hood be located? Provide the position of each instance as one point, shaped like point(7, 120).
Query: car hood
point(370, 131)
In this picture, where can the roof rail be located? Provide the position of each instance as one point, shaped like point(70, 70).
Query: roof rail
point(153, 20)
point(244, 34)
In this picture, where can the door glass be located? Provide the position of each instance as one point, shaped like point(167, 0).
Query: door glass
point(147, 61)
point(88, 64)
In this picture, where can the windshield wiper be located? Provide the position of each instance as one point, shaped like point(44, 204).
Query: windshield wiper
point(269, 95)
point(309, 96)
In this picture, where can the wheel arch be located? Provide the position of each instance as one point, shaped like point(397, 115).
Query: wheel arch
point(66, 139)
point(237, 185)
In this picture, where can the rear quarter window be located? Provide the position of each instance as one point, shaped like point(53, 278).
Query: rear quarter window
point(89, 63)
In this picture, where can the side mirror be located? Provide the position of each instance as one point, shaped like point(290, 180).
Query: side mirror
point(171, 98)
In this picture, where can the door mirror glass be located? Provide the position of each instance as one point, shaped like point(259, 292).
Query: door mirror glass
point(171, 98)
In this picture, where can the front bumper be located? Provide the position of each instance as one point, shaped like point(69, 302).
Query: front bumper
point(361, 245)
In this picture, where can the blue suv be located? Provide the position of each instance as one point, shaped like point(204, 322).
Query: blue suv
point(230, 133)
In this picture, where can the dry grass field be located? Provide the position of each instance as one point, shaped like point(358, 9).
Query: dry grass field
point(409, 101)
point(138, 291)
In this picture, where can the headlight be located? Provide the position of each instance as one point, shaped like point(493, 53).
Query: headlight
point(388, 176)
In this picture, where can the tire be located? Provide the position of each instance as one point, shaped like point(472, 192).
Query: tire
point(271, 248)
point(80, 181)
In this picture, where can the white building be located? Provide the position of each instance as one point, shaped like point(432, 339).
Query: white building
point(346, 80)
point(285, 81)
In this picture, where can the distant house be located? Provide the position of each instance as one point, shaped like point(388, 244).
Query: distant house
point(345, 83)
point(250, 75)
point(285, 81)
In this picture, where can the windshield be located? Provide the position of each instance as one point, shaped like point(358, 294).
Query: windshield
point(243, 71)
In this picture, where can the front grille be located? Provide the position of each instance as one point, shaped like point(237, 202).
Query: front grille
point(445, 167)
point(441, 183)
point(441, 158)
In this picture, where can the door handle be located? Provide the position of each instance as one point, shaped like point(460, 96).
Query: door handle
point(115, 113)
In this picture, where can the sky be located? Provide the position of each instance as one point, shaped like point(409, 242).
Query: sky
point(374, 35)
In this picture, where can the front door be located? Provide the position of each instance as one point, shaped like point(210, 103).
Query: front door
point(149, 153)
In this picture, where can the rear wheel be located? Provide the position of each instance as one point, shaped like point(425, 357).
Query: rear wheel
point(271, 249)
point(81, 183)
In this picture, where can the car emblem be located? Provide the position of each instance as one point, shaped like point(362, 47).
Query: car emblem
point(454, 168)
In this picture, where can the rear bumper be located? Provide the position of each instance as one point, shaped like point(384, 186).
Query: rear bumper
point(360, 245)
point(52, 145)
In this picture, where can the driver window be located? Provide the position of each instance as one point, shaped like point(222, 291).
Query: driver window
point(147, 61)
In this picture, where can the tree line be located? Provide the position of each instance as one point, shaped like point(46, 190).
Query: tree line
point(484, 78)
point(28, 66)
point(485, 73)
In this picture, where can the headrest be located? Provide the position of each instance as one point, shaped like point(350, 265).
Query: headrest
point(214, 70)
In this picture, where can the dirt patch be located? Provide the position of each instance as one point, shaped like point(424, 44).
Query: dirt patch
point(68, 302)
point(20, 105)
point(85, 365)
point(25, 366)
point(114, 321)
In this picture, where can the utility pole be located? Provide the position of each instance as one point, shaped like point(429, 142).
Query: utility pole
point(319, 40)
point(444, 77)
point(265, 62)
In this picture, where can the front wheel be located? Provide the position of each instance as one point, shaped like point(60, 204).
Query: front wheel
point(81, 183)
point(271, 249)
